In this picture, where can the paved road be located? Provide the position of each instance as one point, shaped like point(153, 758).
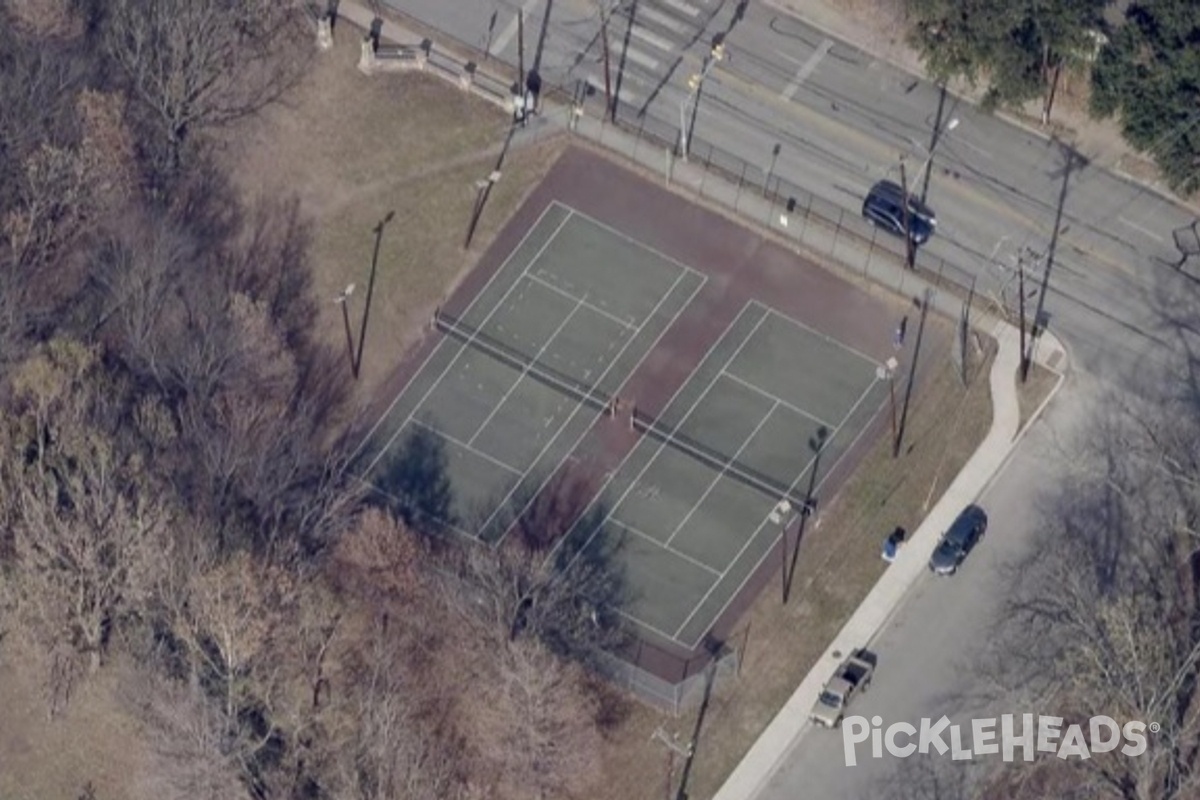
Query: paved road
point(928, 650)
point(842, 119)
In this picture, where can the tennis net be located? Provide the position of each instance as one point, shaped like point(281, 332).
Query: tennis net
point(715, 459)
point(473, 337)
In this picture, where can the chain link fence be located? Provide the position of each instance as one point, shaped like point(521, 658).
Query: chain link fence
point(672, 696)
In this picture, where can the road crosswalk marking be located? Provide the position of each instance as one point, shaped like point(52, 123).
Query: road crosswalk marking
point(807, 69)
point(651, 38)
point(680, 5)
point(654, 15)
point(510, 30)
point(638, 57)
point(626, 96)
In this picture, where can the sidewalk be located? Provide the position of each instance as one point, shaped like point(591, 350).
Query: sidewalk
point(846, 257)
point(888, 595)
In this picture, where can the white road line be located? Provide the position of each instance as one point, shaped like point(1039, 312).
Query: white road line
point(654, 15)
point(1147, 231)
point(651, 38)
point(807, 69)
point(510, 30)
point(680, 5)
point(960, 141)
point(627, 96)
point(638, 57)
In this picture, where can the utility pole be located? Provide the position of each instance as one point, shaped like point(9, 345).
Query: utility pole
point(608, 98)
point(674, 748)
point(910, 250)
point(1021, 305)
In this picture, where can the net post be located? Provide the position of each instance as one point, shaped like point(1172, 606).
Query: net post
point(632, 414)
point(437, 311)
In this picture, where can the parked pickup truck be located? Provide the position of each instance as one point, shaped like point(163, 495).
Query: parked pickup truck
point(852, 676)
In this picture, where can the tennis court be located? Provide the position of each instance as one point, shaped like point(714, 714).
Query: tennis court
point(525, 369)
point(728, 406)
point(688, 513)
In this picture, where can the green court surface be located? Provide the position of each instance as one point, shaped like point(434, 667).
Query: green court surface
point(521, 373)
point(525, 369)
point(782, 404)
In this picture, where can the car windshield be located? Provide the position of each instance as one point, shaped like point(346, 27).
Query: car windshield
point(830, 699)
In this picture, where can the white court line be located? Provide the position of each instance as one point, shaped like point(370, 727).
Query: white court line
point(464, 346)
point(525, 372)
point(610, 229)
point(1147, 231)
point(510, 30)
point(778, 401)
point(680, 5)
point(578, 406)
point(623, 323)
point(470, 306)
point(465, 446)
point(638, 57)
point(662, 445)
point(827, 338)
point(653, 39)
point(654, 15)
point(667, 547)
point(722, 473)
point(816, 490)
point(807, 69)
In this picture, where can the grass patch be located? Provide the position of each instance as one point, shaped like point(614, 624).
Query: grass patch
point(354, 148)
point(838, 565)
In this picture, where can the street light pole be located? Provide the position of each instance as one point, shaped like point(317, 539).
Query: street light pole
point(341, 300)
point(886, 372)
point(771, 170)
point(695, 85)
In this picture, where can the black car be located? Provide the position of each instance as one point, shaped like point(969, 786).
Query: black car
point(884, 206)
point(958, 540)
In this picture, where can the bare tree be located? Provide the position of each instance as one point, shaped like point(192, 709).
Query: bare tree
point(87, 521)
point(1105, 619)
point(197, 64)
point(538, 583)
point(534, 723)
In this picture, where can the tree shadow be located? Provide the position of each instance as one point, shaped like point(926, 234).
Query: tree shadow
point(1073, 162)
point(412, 483)
point(623, 59)
point(922, 303)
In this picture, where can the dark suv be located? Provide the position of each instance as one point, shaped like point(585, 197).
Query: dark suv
point(884, 206)
point(958, 541)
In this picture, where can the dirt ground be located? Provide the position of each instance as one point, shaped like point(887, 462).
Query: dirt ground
point(94, 741)
point(878, 27)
